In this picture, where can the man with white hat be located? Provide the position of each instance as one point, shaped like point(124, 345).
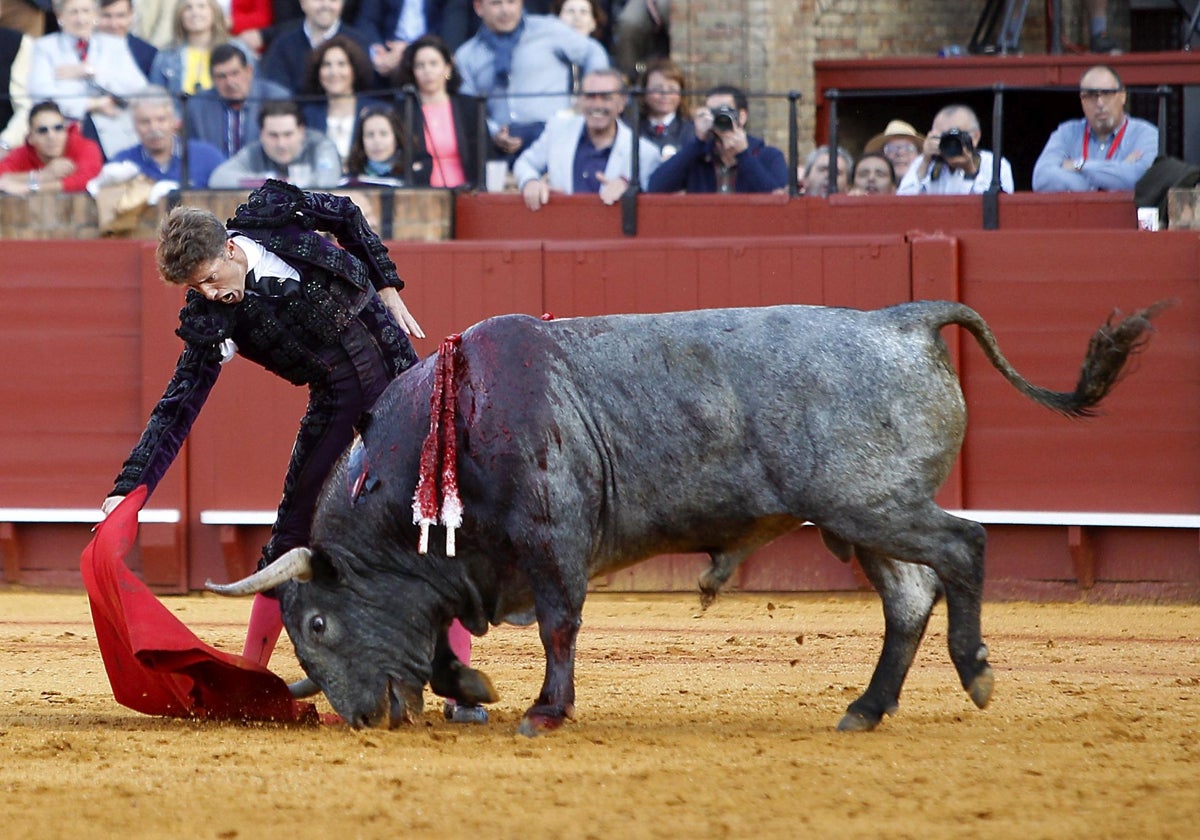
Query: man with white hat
point(900, 143)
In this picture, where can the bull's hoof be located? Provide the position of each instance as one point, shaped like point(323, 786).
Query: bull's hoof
point(980, 688)
point(858, 722)
point(474, 687)
point(540, 719)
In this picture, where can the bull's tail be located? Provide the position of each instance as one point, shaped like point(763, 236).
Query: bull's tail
point(1108, 351)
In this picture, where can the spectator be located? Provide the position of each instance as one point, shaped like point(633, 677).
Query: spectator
point(446, 125)
point(720, 156)
point(88, 74)
point(522, 63)
point(814, 177)
point(285, 150)
point(56, 156)
point(900, 143)
point(186, 65)
point(158, 154)
point(394, 24)
point(873, 175)
point(951, 162)
point(588, 152)
point(666, 117)
point(377, 154)
point(285, 60)
point(1104, 149)
point(337, 74)
point(116, 18)
point(16, 58)
point(641, 33)
point(584, 16)
point(154, 21)
point(26, 16)
point(226, 114)
point(253, 21)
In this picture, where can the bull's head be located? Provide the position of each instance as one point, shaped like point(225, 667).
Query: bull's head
point(369, 653)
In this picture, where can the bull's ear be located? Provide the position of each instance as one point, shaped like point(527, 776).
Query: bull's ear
point(323, 569)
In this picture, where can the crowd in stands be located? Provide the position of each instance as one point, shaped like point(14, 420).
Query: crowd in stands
point(322, 93)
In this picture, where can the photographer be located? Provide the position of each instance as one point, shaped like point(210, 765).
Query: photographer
point(951, 162)
point(721, 157)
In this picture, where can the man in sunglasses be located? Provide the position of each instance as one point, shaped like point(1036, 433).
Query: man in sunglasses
point(1104, 150)
point(56, 157)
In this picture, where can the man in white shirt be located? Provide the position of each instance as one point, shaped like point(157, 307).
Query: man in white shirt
point(951, 162)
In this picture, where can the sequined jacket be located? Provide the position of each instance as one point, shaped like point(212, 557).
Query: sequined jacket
point(284, 335)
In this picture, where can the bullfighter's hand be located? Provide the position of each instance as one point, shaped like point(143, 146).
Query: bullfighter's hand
point(536, 193)
point(391, 299)
point(110, 504)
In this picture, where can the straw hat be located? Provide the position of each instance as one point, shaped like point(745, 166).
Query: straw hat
point(895, 129)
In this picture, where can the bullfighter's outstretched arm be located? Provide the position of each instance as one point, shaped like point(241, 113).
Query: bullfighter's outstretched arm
point(202, 330)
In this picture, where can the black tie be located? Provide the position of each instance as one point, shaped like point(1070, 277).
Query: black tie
point(272, 286)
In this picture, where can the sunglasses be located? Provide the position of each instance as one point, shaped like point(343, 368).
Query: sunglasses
point(50, 129)
point(1096, 94)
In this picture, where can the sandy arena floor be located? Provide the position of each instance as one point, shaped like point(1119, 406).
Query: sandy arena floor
point(694, 725)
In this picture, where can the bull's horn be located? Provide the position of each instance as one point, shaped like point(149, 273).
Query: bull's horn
point(303, 688)
point(293, 565)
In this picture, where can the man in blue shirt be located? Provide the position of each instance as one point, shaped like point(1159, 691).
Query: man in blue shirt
point(721, 157)
point(522, 63)
point(159, 153)
point(1103, 150)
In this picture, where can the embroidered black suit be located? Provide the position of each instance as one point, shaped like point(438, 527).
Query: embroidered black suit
point(335, 336)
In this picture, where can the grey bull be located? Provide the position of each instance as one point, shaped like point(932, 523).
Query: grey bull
point(586, 445)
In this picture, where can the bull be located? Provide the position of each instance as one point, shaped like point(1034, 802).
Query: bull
point(585, 445)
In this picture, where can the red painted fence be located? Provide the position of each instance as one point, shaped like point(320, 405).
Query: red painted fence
point(86, 334)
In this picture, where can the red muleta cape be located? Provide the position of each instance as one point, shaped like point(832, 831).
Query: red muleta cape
point(155, 664)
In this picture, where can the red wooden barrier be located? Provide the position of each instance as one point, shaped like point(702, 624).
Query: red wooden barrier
point(87, 338)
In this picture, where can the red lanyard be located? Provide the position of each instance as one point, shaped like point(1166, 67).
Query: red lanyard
point(1116, 140)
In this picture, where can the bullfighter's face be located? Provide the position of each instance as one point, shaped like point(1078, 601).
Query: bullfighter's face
point(223, 279)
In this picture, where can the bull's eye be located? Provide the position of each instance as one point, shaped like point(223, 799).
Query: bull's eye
point(316, 625)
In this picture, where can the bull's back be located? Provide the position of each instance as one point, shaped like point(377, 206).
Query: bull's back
point(673, 431)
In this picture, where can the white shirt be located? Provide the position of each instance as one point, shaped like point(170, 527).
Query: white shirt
point(262, 262)
point(951, 182)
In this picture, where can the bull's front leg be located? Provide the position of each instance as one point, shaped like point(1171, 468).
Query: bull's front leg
point(556, 702)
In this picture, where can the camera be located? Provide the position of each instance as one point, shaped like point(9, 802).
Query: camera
point(955, 143)
point(725, 118)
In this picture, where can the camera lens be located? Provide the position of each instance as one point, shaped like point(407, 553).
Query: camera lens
point(951, 144)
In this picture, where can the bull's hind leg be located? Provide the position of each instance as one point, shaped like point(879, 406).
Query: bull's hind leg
point(909, 592)
point(953, 548)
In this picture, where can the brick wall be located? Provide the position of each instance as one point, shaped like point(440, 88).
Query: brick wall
point(770, 45)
